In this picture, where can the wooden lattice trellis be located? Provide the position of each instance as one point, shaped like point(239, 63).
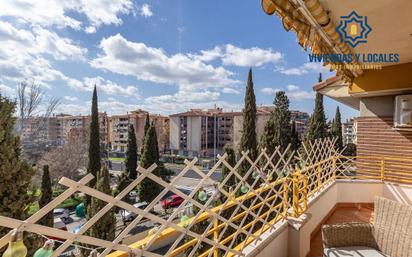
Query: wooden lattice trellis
point(233, 216)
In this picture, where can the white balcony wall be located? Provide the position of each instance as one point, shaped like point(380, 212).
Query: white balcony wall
point(294, 240)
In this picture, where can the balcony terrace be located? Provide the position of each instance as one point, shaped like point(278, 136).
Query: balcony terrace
point(275, 209)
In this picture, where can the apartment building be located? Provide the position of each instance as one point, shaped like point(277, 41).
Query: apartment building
point(64, 127)
point(118, 130)
point(349, 129)
point(301, 120)
point(200, 133)
point(205, 133)
point(162, 126)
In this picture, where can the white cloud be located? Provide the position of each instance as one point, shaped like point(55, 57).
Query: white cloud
point(292, 88)
point(269, 90)
point(295, 93)
point(153, 64)
point(304, 69)
point(6, 90)
point(90, 29)
point(60, 48)
point(244, 57)
point(292, 91)
point(293, 71)
point(70, 98)
point(107, 86)
point(55, 12)
point(183, 101)
point(230, 90)
point(209, 55)
point(145, 11)
point(23, 53)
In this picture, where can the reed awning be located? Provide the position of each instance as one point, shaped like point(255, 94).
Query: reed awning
point(314, 28)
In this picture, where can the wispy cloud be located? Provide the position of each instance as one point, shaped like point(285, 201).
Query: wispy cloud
point(304, 69)
point(231, 55)
point(55, 12)
point(153, 64)
point(292, 91)
point(146, 11)
point(70, 98)
point(106, 86)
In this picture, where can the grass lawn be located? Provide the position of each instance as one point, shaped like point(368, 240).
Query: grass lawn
point(117, 159)
point(69, 203)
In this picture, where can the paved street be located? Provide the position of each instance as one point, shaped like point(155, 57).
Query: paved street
point(117, 167)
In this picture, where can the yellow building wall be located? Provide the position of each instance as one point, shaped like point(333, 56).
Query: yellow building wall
point(390, 78)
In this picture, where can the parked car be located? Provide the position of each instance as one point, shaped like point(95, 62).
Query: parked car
point(171, 201)
point(129, 216)
point(132, 193)
point(61, 213)
point(59, 224)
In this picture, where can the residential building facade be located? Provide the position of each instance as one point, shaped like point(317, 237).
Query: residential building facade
point(349, 131)
point(205, 133)
point(201, 133)
point(118, 130)
point(69, 127)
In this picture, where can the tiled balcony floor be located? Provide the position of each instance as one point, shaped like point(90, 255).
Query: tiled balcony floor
point(342, 214)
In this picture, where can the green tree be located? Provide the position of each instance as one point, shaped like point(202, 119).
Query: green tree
point(336, 129)
point(277, 130)
point(317, 127)
point(200, 227)
point(130, 174)
point(281, 119)
point(148, 189)
point(94, 164)
point(105, 227)
point(350, 150)
point(46, 196)
point(146, 128)
point(231, 160)
point(131, 154)
point(248, 140)
point(295, 140)
point(16, 174)
point(123, 181)
point(267, 140)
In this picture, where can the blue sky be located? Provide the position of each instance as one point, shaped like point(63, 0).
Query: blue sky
point(162, 56)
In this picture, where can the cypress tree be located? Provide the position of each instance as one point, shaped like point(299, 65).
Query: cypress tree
point(146, 128)
point(147, 124)
point(130, 174)
point(16, 174)
point(105, 227)
point(317, 127)
point(200, 227)
point(248, 140)
point(148, 189)
point(94, 164)
point(281, 118)
point(267, 139)
point(277, 130)
point(295, 140)
point(336, 129)
point(131, 154)
point(46, 196)
point(231, 160)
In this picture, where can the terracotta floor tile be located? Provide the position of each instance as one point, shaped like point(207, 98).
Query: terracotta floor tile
point(362, 213)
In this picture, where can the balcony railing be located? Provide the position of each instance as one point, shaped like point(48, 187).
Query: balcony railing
point(222, 219)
